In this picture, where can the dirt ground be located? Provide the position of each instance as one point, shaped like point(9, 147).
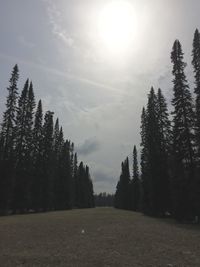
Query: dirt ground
point(100, 237)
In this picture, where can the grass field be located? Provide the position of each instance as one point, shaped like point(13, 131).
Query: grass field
point(110, 238)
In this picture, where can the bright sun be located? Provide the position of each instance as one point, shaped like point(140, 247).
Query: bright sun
point(117, 26)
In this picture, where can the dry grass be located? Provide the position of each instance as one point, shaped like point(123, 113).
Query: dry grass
point(112, 238)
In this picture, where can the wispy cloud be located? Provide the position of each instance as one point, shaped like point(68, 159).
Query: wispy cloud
point(60, 73)
point(55, 21)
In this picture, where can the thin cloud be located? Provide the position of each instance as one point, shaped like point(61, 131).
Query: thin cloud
point(54, 19)
point(89, 146)
point(66, 75)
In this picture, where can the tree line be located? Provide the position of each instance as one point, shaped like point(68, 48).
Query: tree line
point(39, 170)
point(169, 180)
point(104, 200)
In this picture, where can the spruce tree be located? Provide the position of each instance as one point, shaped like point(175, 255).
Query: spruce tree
point(135, 183)
point(56, 139)
point(196, 66)
point(183, 137)
point(9, 116)
point(47, 176)
point(20, 197)
point(165, 145)
point(37, 132)
point(7, 137)
point(60, 179)
point(75, 177)
point(90, 192)
point(143, 161)
point(151, 146)
point(154, 155)
point(36, 191)
point(30, 121)
point(21, 124)
point(122, 195)
point(80, 186)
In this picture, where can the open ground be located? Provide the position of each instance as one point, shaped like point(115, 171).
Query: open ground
point(99, 237)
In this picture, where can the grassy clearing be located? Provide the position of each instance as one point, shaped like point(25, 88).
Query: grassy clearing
point(112, 238)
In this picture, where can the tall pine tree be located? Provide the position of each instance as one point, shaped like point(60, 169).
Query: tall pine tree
point(196, 65)
point(36, 190)
point(20, 197)
point(7, 146)
point(183, 137)
point(122, 195)
point(135, 184)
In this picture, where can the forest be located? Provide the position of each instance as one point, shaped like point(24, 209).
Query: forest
point(39, 169)
point(168, 180)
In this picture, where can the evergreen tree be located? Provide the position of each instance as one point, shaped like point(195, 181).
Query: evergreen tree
point(36, 191)
point(47, 176)
point(30, 121)
point(61, 192)
point(72, 180)
point(20, 198)
point(56, 139)
point(183, 137)
point(122, 195)
point(89, 189)
point(85, 197)
point(37, 132)
point(80, 186)
point(9, 116)
point(143, 162)
point(155, 134)
point(152, 144)
point(69, 173)
point(21, 126)
point(196, 65)
point(7, 136)
point(165, 144)
point(75, 176)
point(135, 183)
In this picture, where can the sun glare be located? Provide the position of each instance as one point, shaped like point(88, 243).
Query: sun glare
point(117, 26)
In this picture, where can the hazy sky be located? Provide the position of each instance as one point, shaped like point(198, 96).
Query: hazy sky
point(96, 90)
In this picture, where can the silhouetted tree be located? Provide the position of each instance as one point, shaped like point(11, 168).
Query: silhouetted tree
point(196, 65)
point(183, 137)
point(144, 162)
point(35, 189)
point(47, 177)
point(7, 137)
point(85, 198)
point(20, 197)
point(135, 185)
point(156, 143)
point(122, 195)
point(165, 145)
point(9, 117)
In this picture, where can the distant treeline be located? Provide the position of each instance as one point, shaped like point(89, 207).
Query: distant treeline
point(39, 170)
point(104, 200)
point(170, 149)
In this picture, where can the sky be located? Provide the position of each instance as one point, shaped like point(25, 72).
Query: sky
point(93, 63)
